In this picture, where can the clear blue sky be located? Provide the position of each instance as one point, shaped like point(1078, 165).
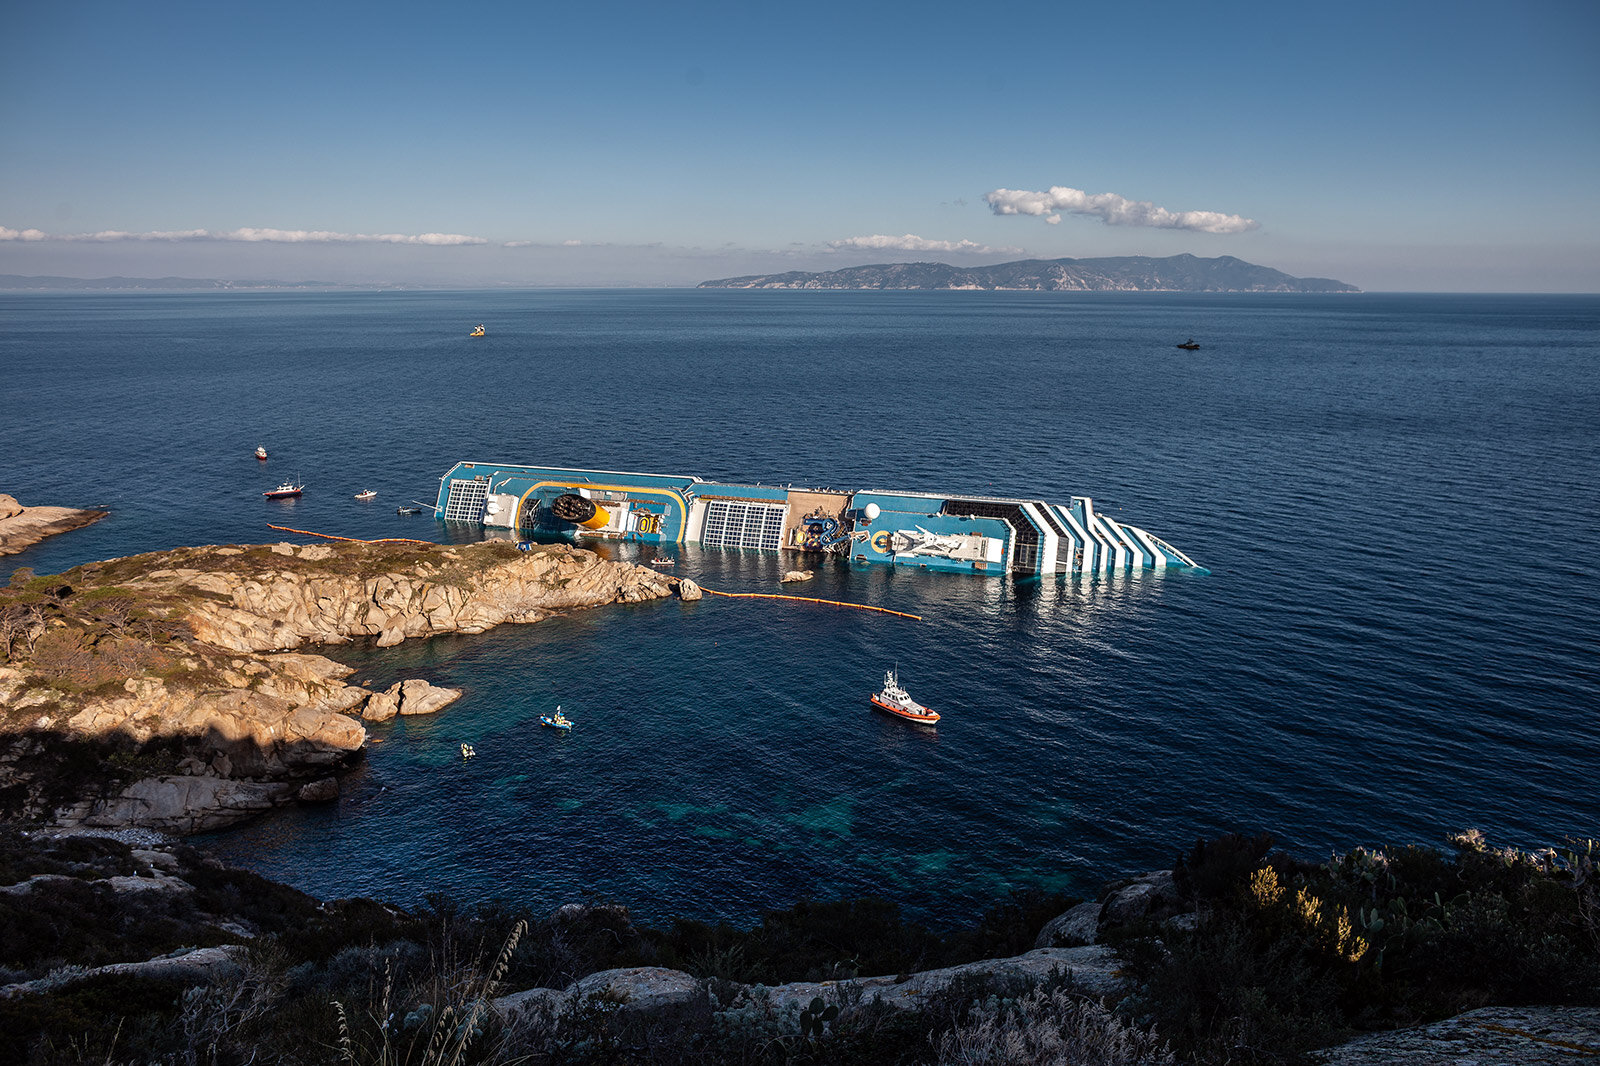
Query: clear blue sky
point(1447, 146)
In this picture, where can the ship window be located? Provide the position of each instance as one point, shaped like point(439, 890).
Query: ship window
point(466, 501)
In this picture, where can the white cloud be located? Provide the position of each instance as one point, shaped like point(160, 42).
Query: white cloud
point(571, 244)
point(1111, 209)
point(910, 242)
point(246, 235)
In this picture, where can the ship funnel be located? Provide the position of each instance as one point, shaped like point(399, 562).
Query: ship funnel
point(570, 507)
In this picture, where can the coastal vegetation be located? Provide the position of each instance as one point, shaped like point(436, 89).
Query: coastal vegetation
point(1243, 954)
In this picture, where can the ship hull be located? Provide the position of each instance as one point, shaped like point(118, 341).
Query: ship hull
point(972, 534)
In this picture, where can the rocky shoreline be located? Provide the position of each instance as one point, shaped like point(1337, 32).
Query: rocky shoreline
point(23, 527)
point(167, 926)
point(186, 662)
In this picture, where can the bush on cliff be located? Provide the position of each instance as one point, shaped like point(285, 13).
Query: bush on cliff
point(1287, 955)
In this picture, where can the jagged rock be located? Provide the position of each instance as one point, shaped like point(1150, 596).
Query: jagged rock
point(323, 791)
point(23, 527)
point(1078, 926)
point(1518, 1036)
point(651, 989)
point(1094, 969)
point(382, 706)
point(796, 575)
point(1153, 896)
point(194, 966)
point(418, 697)
point(641, 990)
point(688, 590)
point(182, 804)
point(156, 860)
point(156, 882)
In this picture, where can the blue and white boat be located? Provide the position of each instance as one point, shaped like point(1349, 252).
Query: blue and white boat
point(962, 533)
point(556, 721)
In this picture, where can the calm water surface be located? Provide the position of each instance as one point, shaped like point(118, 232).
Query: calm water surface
point(1396, 496)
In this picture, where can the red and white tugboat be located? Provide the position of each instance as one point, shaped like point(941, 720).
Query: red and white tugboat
point(261, 451)
point(287, 491)
point(898, 702)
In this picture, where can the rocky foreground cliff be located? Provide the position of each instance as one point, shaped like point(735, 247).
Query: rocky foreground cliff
point(140, 949)
point(172, 690)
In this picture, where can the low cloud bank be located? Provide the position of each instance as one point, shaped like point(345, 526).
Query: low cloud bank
point(1111, 209)
point(910, 242)
point(246, 235)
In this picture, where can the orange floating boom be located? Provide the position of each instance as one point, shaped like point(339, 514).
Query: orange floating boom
point(808, 599)
point(352, 540)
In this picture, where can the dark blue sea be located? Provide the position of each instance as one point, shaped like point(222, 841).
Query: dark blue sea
point(1397, 497)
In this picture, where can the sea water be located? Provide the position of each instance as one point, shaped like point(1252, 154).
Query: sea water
point(1396, 497)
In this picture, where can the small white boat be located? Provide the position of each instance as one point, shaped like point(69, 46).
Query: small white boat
point(663, 562)
point(366, 494)
point(898, 702)
point(261, 451)
point(467, 752)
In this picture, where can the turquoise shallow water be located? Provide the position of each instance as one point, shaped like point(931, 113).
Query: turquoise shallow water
point(1395, 495)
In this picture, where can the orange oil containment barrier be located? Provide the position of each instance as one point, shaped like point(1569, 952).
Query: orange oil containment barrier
point(352, 540)
point(807, 599)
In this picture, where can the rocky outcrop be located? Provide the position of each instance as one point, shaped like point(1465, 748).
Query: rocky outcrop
point(1524, 1036)
point(407, 697)
point(260, 725)
point(654, 991)
point(23, 527)
point(264, 603)
point(1077, 927)
point(180, 804)
point(1153, 896)
point(192, 966)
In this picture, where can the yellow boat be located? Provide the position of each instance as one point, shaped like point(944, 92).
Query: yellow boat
point(477, 332)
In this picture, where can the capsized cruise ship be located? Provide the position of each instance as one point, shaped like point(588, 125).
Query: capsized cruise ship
point(965, 534)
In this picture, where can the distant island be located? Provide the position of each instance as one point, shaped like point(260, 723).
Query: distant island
point(1128, 273)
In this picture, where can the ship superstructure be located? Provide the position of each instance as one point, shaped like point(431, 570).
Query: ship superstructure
point(966, 534)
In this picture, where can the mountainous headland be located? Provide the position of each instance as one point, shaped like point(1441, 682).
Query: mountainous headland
point(1133, 273)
